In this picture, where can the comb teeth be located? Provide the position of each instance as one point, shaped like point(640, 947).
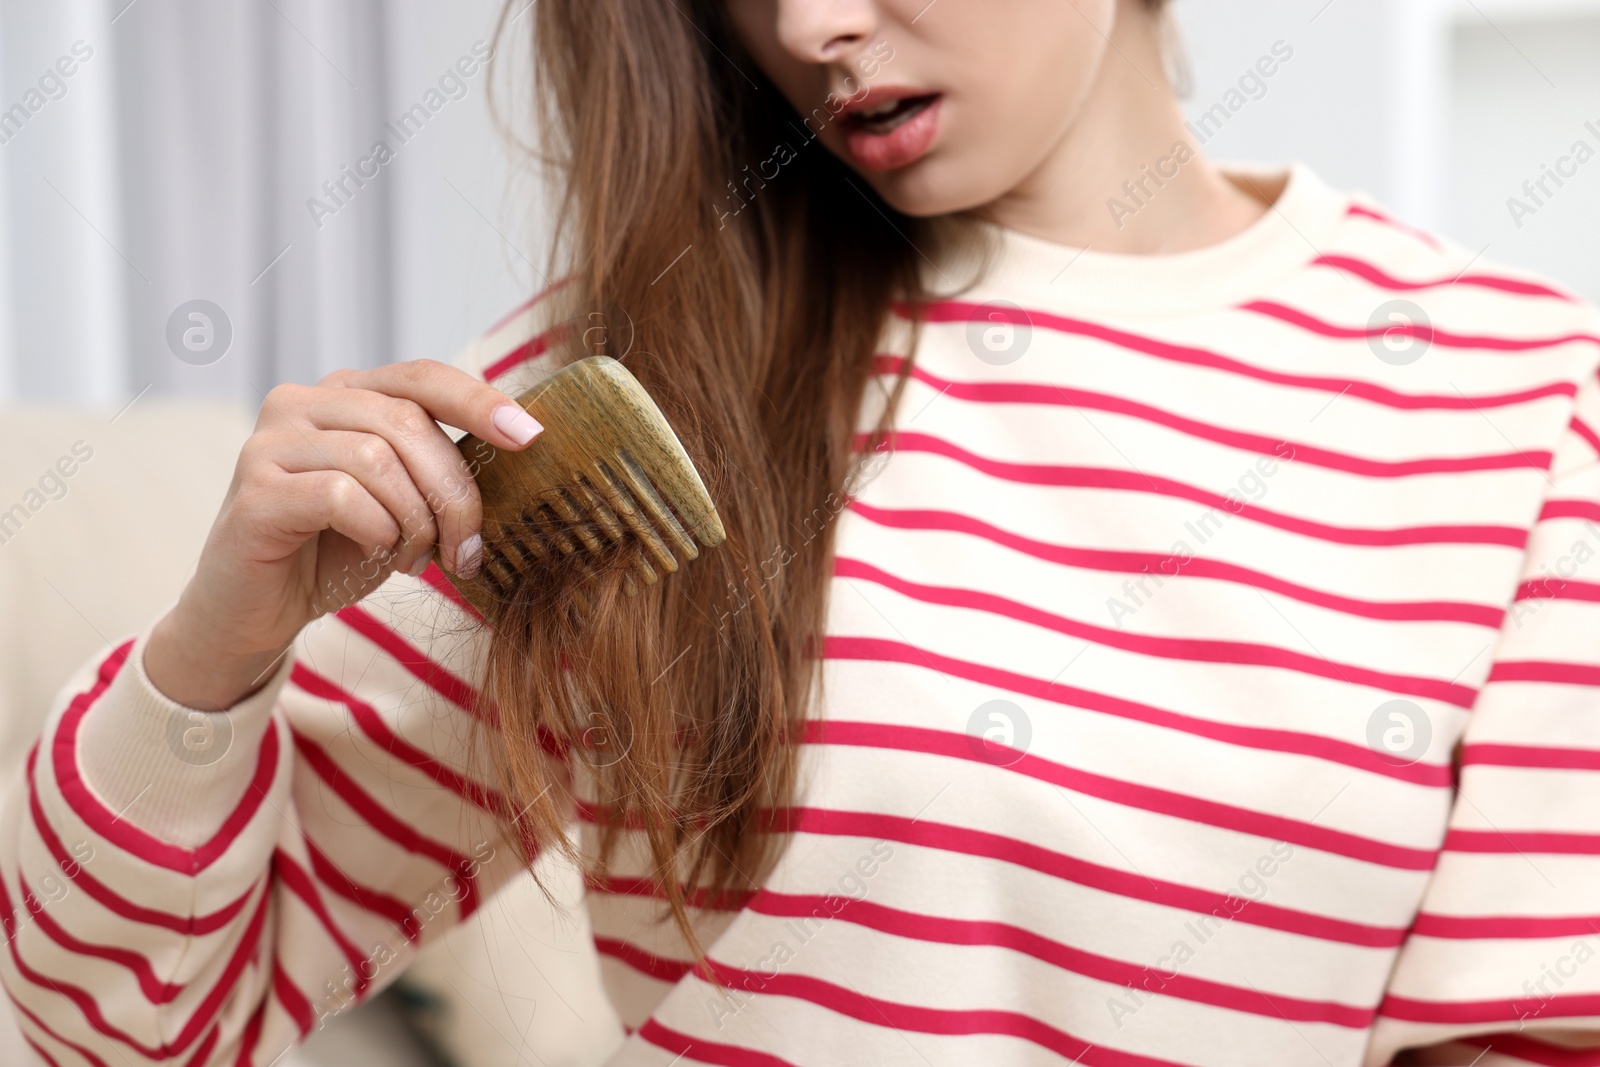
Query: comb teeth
point(586, 500)
point(607, 478)
point(584, 519)
point(623, 502)
point(660, 513)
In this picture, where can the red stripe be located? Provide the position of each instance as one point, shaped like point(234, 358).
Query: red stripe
point(377, 730)
point(1566, 759)
point(196, 925)
point(1189, 649)
point(973, 932)
point(1474, 1012)
point(124, 835)
point(1558, 589)
point(1538, 671)
point(651, 966)
point(1133, 481)
point(703, 1051)
point(251, 1035)
point(436, 677)
point(293, 1001)
point(1169, 566)
point(1127, 794)
point(877, 650)
point(1362, 211)
point(1570, 509)
point(1590, 438)
point(1376, 275)
point(380, 904)
point(386, 822)
point(534, 299)
point(959, 311)
point(1520, 927)
point(523, 353)
point(203, 1053)
point(298, 881)
point(513, 313)
point(1288, 451)
point(1521, 841)
point(1442, 338)
point(505, 363)
point(38, 1049)
point(442, 681)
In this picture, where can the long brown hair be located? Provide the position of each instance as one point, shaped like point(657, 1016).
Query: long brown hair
point(755, 275)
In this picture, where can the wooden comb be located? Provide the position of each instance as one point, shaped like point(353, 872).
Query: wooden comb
point(607, 469)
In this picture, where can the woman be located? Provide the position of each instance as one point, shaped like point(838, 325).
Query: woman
point(1101, 712)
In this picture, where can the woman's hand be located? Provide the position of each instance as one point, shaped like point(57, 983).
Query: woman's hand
point(341, 484)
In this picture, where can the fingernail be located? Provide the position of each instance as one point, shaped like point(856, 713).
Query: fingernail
point(469, 556)
point(515, 423)
point(416, 569)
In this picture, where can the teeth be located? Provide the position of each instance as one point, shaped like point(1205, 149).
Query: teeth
point(880, 111)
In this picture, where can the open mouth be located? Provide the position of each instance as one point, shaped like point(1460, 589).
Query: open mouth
point(891, 113)
point(891, 128)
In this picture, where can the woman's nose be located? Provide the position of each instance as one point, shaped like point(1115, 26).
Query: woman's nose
point(825, 31)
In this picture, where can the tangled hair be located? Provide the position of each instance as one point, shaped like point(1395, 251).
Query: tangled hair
point(755, 303)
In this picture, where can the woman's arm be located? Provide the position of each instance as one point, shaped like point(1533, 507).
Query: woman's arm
point(1498, 966)
point(340, 484)
point(187, 885)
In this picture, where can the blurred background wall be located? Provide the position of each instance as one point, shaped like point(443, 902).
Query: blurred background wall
point(176, 164)
point(1440, 108)
point(186, 159)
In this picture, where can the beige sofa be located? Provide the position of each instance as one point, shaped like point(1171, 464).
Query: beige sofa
point(101, 519)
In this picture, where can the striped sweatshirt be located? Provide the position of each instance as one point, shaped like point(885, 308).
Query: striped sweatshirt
point(1211, 677)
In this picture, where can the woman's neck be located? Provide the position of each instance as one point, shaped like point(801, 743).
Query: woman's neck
point(1127, 177)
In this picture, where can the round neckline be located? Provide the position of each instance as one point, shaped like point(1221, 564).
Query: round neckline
point(1289, 234)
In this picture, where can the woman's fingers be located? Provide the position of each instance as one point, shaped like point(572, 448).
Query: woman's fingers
point(431, 459)
point(307, 503)
point(374, 463)
point(403, 404)
point(450, 395)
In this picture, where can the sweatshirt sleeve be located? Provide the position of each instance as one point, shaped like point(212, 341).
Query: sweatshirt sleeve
point(187, 888)
point(1502, 965)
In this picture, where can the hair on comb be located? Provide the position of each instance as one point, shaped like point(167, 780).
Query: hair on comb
point(606, 474)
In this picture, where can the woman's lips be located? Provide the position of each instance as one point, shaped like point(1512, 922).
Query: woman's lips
point(894, 138)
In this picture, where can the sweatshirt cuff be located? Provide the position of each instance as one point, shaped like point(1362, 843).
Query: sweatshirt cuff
point(174, 772)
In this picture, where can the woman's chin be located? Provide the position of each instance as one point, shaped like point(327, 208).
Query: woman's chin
point(932, 187)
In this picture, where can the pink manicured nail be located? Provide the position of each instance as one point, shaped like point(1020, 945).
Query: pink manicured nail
point(516, 424)
point(469, 555)
point(419, 566)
